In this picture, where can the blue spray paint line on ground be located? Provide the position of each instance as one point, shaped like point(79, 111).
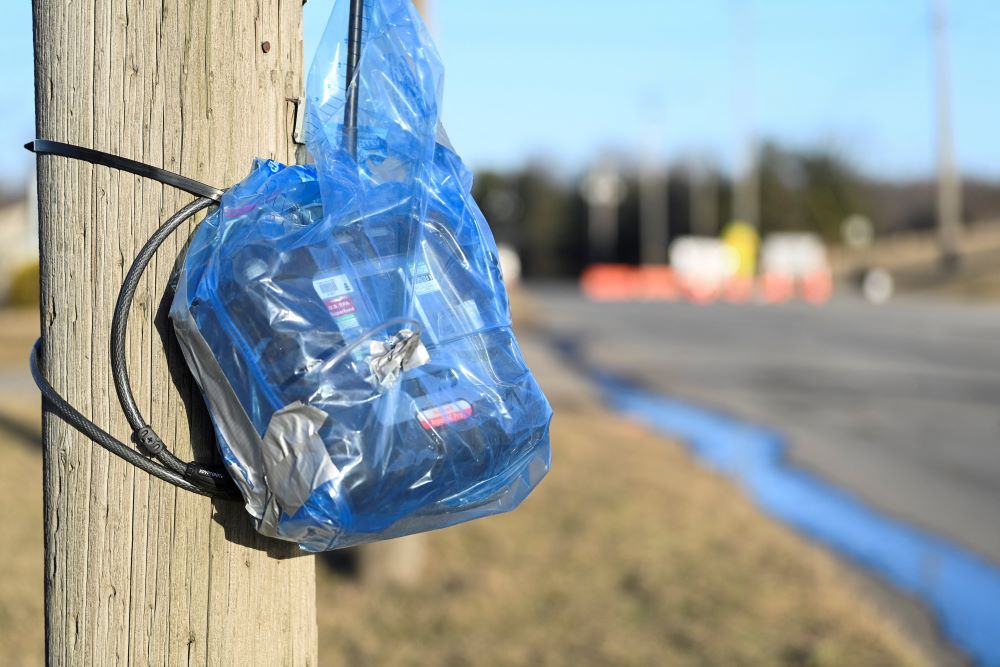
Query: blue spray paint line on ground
point(962, 588)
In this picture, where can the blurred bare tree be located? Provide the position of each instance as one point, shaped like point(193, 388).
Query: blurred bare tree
point(545, 218)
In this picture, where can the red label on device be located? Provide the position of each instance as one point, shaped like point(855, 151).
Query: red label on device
point(442, 415)
point(340, 306)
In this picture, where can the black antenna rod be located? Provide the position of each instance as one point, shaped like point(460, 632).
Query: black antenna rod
point(355, 34)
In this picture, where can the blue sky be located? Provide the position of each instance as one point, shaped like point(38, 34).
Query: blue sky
point(566, 81)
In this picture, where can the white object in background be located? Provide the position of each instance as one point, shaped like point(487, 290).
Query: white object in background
point(704, 264)
point(510, 265)
point(794, 255)
point(877, 286)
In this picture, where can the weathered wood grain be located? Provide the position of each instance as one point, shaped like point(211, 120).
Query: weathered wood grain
point(136, 572)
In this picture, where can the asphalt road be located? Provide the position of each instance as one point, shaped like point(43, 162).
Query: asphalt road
point(899, 404)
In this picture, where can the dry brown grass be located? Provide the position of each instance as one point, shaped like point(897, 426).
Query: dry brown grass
point(628, 554)
point(18, 331)
point(21, 566)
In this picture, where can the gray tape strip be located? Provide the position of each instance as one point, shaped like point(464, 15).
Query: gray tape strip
point(295, 458)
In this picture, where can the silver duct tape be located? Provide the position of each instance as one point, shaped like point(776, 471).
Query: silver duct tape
point(389, 360)
point(277, 473)
point(295, 459)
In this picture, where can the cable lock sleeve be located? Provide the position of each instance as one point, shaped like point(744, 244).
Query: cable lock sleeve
point(74, 418)
point(194, 477)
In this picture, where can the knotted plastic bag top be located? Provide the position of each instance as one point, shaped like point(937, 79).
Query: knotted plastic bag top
point(347, 321)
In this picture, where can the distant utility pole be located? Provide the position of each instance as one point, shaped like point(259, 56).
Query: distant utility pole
point(136, 571)
point(746, 192)
point(704, 199)
point(654, 214)
point(654, 203)
point(603, 191)
point(949, 191)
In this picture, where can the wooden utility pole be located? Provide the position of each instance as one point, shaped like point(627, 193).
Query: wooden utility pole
point(949, 192)
point(137, 572)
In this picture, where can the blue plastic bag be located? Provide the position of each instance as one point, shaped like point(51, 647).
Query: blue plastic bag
point(348, 324)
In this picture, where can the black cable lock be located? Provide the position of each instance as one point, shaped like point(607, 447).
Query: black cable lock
point(152, 455)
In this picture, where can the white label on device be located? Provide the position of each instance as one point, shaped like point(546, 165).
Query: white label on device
point(334, 286)
point(336, 293)
point(424, 281)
